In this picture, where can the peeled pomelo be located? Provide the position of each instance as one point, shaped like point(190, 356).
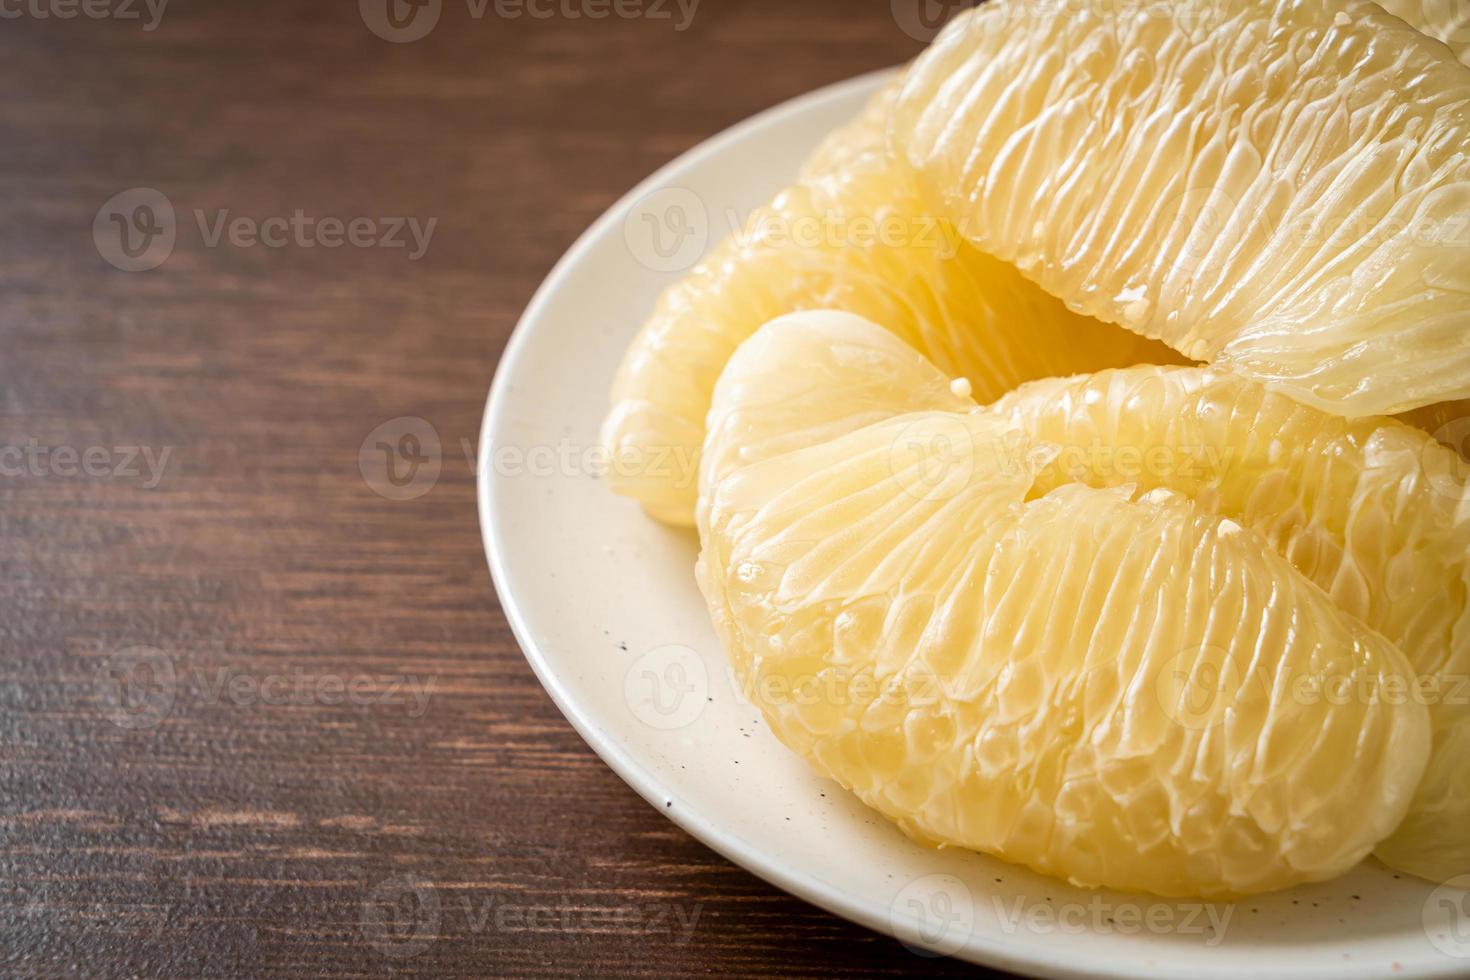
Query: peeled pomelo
point(1091, 681)
point(1280, 188)
point(852, 235)
point(1374, 512)
point(1444, 20)
point(1448, 422)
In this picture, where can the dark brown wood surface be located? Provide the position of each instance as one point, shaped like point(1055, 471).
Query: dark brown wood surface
point(210, 764)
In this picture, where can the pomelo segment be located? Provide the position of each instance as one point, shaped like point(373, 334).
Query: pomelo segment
point(1281, 188)
point(1447, 422)
point(1095, 683)
point(1447, 21)
point(852, 235)
point(808, 378)
point(1374, 512)
point(1433, 842)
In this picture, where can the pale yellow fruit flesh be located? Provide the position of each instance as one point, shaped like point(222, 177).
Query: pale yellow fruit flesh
point(1374, 512)
point(1016, 671)
point(1447, 422)
point(1282, 188)
point(1154, 628)
point(851, 235)
point(1447, 21)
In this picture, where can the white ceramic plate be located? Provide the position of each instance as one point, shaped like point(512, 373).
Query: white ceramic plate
point(604, 604)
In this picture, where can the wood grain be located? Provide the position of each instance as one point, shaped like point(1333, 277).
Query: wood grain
point(247, 815)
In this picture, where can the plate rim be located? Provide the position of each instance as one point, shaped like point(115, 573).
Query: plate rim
point(642, 780)
point(979, 948)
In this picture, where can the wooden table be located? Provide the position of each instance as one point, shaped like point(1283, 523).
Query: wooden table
point(211, 760)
